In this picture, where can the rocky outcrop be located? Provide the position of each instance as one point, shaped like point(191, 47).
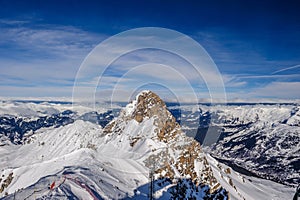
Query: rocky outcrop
point(5, 183)
point(178, 156)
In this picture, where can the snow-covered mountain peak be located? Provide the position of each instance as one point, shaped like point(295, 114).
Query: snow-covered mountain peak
point(146, 104)
point(147, 132)
point(146, 107)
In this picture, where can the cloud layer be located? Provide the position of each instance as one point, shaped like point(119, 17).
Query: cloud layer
point(43, 59)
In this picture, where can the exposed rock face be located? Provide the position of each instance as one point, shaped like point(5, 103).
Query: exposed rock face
point(175, 155)
point(5, 183)
point(150, 105)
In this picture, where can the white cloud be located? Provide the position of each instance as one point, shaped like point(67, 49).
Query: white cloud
point(273, 76)
point(37, 91)
point(286, 69)
point(42, 56)
point(231, 81)
point(284, 90)
point(124, 54)
point(272, 92)
point(50, 40)
point(47, 57)
point(13, 22)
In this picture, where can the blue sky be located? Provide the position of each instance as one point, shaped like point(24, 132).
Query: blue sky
point(255, 45)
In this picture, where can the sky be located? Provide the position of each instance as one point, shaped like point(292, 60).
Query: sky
point(254, 45)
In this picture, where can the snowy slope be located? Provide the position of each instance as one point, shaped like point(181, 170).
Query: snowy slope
point(241, 186)
point(18, 119)
point(39, 156)
point(82, 160)
point(262, 139)
point(70, 151)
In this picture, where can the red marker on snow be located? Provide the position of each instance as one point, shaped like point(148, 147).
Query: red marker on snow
point(52, 185)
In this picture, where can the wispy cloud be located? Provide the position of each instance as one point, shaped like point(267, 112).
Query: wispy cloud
point(231, 51)
point(41, 56)
point(284, 90)
point(13, 22)
point(36, 91)
point(286, 69)
point(272, 76)
point(49, 40)
point(245, 61)
point(152, 56)
point(42, 60)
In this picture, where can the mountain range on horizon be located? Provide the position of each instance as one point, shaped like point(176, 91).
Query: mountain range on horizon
point(145, 150)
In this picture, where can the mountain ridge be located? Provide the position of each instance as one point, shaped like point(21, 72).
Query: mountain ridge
point(117, 163)
point(144, 139)
point(176, 155)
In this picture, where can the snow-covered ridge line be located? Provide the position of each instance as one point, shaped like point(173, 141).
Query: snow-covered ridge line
point(120, 156)
point(113, 163)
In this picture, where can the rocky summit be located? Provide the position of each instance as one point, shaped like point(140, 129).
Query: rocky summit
point(174, 156)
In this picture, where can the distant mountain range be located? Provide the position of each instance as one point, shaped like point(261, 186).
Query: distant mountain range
point(53, 150)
